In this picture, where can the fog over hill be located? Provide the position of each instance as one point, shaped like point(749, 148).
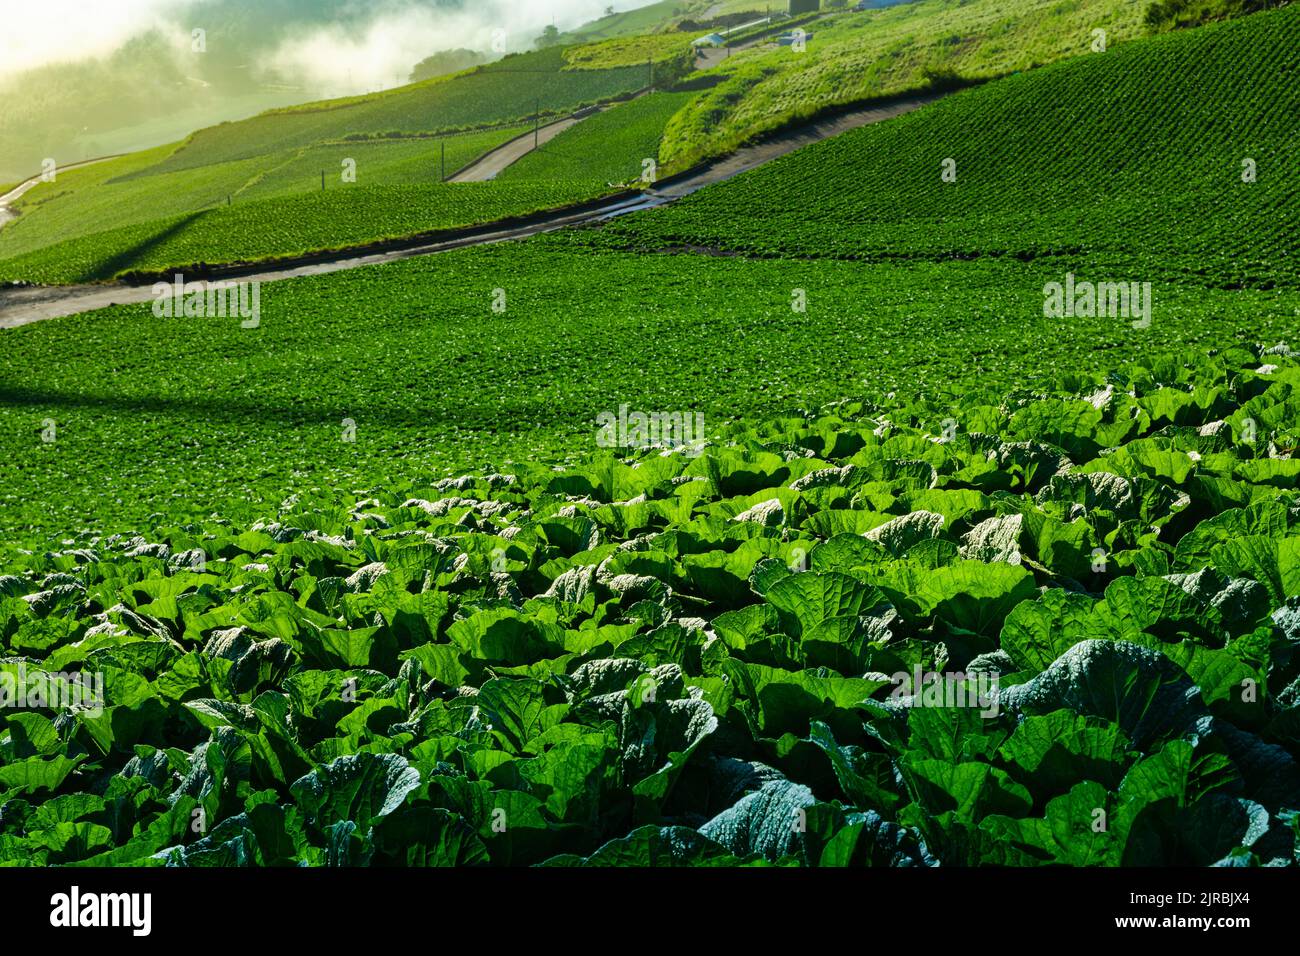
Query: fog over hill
point(78, 76)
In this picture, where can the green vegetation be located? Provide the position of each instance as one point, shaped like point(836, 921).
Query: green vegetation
point(610, 147)
point(1054, 611)
point(214, 418)
point(445, 62)
point(627, 51)
point(188, 207)
point(1179, 14)
point(856, 56)
point(647, 19)
point(917, 575)
point(163, 208)
point(1073, 162)
point(284, 227)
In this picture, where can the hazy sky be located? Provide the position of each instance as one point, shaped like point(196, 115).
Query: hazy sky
point(401, 32)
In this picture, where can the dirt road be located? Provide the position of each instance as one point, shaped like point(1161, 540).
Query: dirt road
point(490, 164)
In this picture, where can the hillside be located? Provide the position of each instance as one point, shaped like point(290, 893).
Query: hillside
point(611, 147)
point(877, 53)
point(1074, 162)
point(757, 89)
point(159, 209)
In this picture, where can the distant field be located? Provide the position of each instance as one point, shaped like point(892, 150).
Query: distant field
point(611, 147)
point(1070, 162)
point(854, 56)
point(499, 93)
point(161, 208)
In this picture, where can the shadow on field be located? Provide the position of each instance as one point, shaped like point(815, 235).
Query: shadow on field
point(226, 408)
point(127, 257)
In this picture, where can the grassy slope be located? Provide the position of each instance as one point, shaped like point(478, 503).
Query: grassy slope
point(626, 51)
point(855, 56)
point(610, 147)
point(632, 22)
point(1077, 162)
point(285, 226)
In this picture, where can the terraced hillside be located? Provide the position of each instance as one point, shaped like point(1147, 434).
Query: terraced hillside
point(877, 53)
point(157, 209)
point(854, 56)
point(1075, 162)
point(611, 147)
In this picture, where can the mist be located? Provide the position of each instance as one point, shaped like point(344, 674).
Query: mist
point(326, 46)
point(85, 78)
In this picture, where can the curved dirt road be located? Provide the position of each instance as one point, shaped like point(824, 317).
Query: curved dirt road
point(487, 166)
point(24, 305)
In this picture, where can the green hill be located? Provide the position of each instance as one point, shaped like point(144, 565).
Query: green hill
point(159, 209)
point(877, 53)
point(1073, 162)
point(498, 93)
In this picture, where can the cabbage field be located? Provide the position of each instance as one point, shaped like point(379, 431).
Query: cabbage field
point(705, 655)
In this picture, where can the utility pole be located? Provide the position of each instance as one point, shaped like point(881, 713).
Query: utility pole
point(322, 180)
point(650, 65)
point(537, 124)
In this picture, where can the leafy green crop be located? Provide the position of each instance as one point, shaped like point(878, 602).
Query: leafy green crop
point(283, 226)
point(200, 416)
point(695, 659)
